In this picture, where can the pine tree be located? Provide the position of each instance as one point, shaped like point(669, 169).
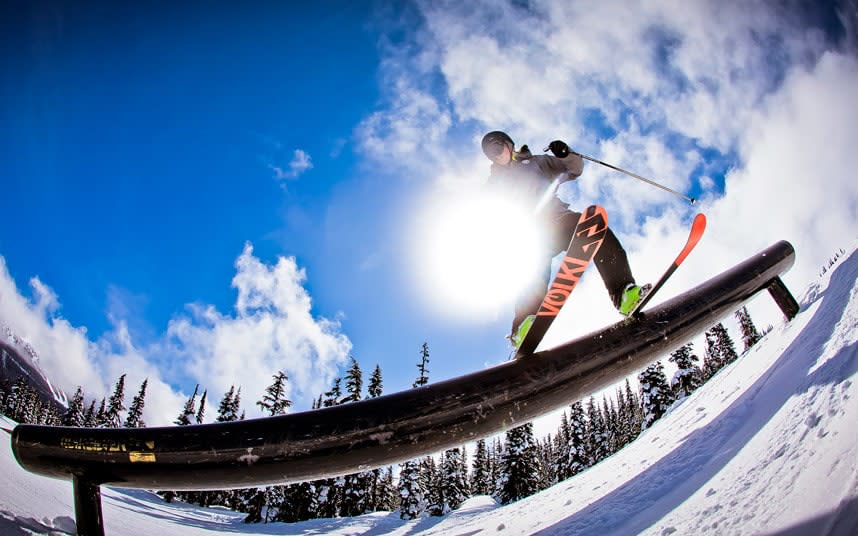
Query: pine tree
point(135, 412)
point(547, 462)
point(412, 501)
point(274, 400)
point(452, 483)
point(184, 418)
point(750, 335)
point(634, 413)
point(299, 503)
point(481, 473)
point(375, 383)
point(228, 408)
point(564, 433)
point(387, 497)
point(75, 416)
point(101, 417)
point(423, 366)
point(720, 350)
point(354, 382)
point(688, 376)
point(89, 417)
point(431, 484)
point(609, 412)
point(116, 405)
point(597, 433)
point(656, 396)
point(329, 496)
point(202, 411)
point(332, 397)
point(725, 344)
point(355, 498)
point(519, 465)
point(496, 454)
point(577, 455)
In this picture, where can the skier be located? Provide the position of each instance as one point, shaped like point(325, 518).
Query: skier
point(528, 176)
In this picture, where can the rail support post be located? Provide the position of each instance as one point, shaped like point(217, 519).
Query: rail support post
point(87, 507)
point(783, 298)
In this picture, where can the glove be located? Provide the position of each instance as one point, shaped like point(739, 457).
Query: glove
point(559, 148)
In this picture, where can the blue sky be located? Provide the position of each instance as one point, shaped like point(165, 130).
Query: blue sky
point(178, 182)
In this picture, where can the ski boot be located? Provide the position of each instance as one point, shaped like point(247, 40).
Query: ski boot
point(631, 296)
point(517, 337)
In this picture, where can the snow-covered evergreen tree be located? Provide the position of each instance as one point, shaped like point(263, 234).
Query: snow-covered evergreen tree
point(561, 439)
point(227, 410)
point(547, 462)
point(576, 455)
point(300, 503)
point(74, 416)
point(275, 401)
point(452, 483)
point(720, 350)
point(116, 405)
point(355, 497)
point(334, 396)
point(688, 375)
point(481, 473)
point(519, 471)
point(750, 335)
point(188, 412)
point(412, 498)
point(330, 492)
point(376, 385)
point(597, 433)
point(656, 395)
point(135, 412)
point(354, 382)
point(101, 416)
point(431, 484)
point(89, 416)
point(387, 496)
point(634, 413)
point(725, 343)
point(202, 411)
point(423, 366)
point(609, 413)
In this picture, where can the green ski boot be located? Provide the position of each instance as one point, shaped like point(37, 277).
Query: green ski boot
point(518, 336)
point(631, 296)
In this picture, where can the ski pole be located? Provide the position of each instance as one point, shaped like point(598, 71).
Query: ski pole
point(630, 174)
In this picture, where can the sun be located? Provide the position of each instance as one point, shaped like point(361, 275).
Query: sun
point(476, 252)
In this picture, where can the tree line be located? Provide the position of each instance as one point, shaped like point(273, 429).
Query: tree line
point(507, 467)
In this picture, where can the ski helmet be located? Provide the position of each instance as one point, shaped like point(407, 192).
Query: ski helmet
point(494, 142)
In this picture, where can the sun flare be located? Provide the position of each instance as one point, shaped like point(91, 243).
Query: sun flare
point(477, 253)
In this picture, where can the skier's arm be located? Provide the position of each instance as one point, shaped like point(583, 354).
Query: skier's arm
point(567, 168)
point(572, 161)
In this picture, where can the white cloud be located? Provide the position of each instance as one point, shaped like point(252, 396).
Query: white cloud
point(753, 84)
point(300, 164)
point(272, 329)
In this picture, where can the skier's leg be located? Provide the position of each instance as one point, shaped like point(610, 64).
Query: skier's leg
point(611, 259)
point(531, 297)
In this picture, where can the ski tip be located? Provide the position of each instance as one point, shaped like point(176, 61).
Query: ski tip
point(699, 223)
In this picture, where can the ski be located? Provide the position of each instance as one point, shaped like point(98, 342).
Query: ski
point(586, 240)
point(694, 236)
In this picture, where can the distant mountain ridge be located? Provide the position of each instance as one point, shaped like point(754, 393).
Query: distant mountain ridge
point(19, 359)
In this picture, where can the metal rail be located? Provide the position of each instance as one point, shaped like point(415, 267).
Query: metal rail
point(392, 428)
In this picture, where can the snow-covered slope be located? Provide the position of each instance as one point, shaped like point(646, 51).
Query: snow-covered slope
point(768, 446)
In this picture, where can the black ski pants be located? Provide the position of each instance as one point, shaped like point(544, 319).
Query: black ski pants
point(611, 261)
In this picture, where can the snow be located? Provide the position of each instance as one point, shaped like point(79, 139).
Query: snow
point(767, 446)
